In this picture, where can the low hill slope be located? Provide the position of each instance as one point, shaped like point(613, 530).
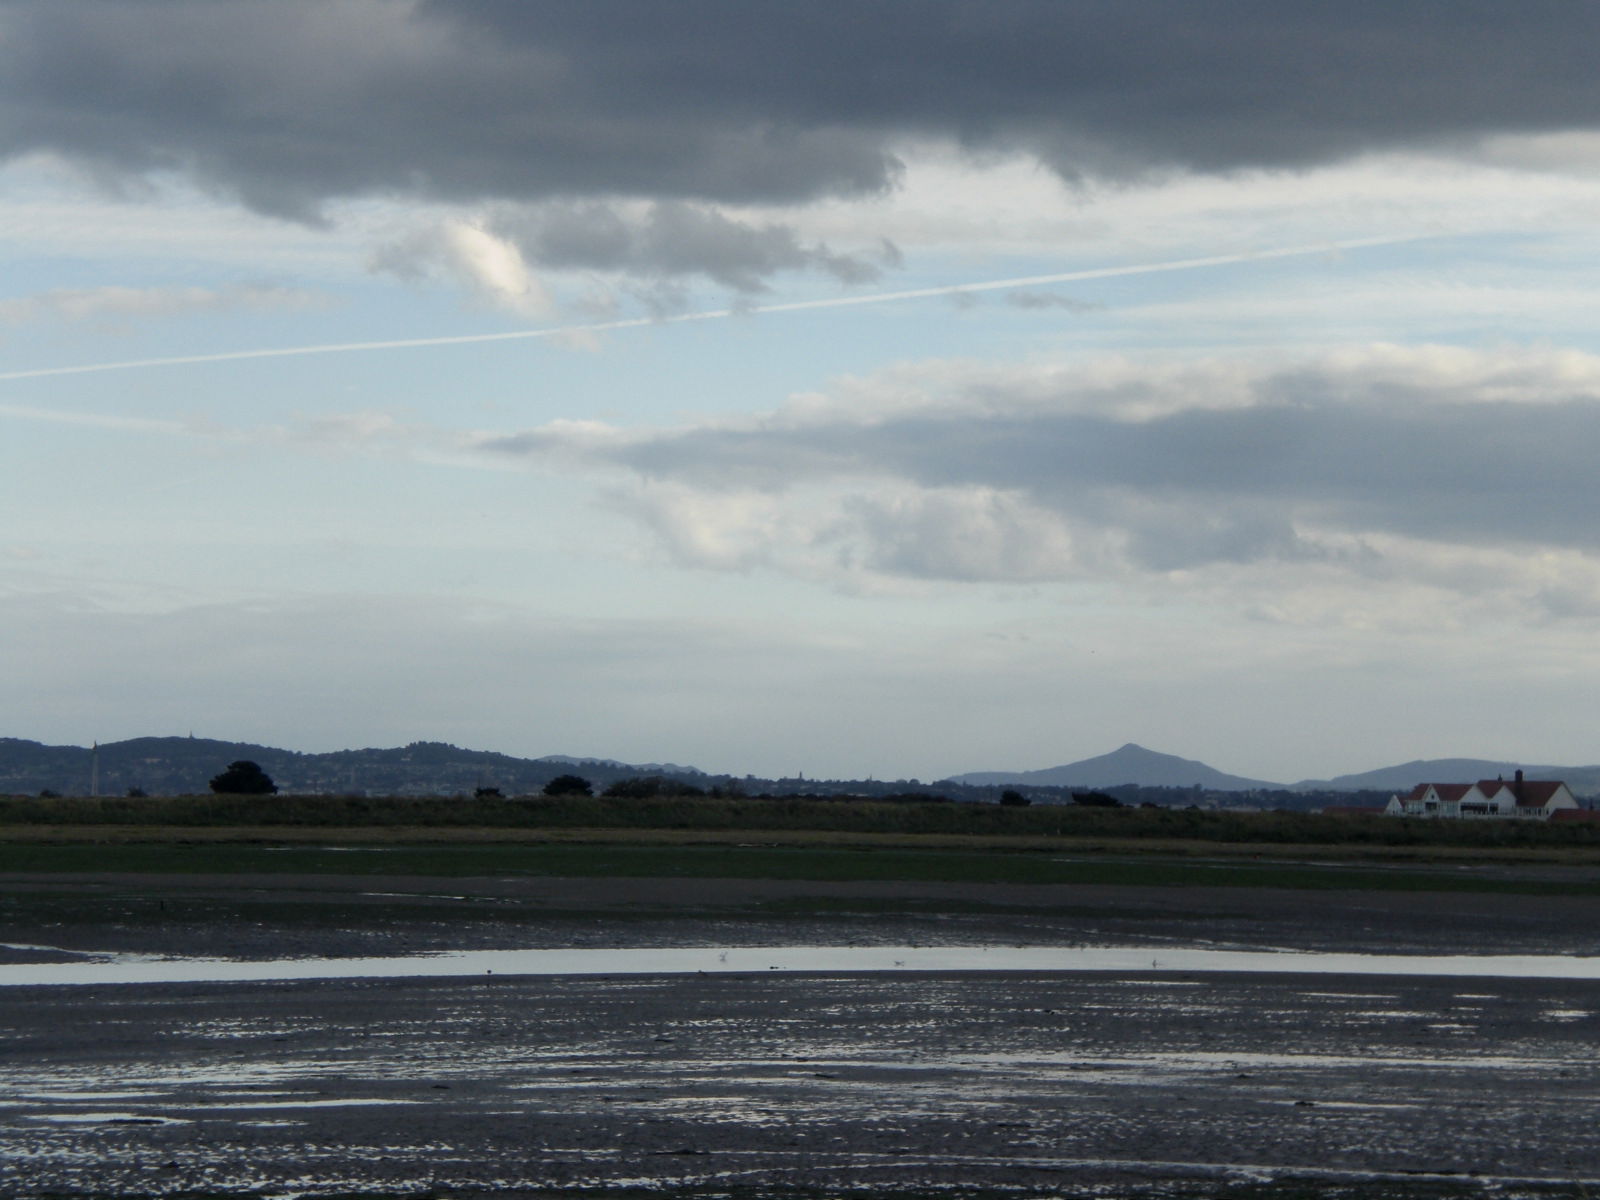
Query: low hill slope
point(1584, 781)
point(175, 766)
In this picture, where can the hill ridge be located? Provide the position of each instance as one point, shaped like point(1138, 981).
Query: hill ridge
point(1129, 763)
point(177, 765)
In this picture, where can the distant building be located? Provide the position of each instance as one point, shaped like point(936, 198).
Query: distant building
point(1488, 799)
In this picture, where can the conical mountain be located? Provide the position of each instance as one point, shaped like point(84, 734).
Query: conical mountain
point(1127, 764)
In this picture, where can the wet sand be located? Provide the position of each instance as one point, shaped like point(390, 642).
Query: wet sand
point(275, 916)
point(772, 1083)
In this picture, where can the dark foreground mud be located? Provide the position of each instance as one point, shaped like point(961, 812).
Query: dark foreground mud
point(1066, 1085)
point(772, 1084)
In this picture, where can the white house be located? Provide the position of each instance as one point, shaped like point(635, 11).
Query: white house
point(1528, 799)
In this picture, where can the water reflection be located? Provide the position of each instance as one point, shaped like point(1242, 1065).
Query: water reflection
point(110, 968)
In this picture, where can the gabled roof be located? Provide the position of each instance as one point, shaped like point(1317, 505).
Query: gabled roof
point(1540, 791)
point(1445, 791)
point(1530, 793)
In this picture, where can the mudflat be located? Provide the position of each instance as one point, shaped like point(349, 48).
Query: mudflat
point(776, 1084)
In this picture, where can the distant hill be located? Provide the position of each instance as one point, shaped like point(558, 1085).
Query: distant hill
point(166, 766)
point(169, 766)
point(1129, 764)
point(1584, 781)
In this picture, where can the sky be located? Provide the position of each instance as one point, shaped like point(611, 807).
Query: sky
point(892, 389)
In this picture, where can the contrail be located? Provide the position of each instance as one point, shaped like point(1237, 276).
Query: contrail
point(1180, 264)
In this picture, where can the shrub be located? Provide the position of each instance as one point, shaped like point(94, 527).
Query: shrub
point(568, 785)
point(649, 787)
point(243, 778)
point(1096, 800)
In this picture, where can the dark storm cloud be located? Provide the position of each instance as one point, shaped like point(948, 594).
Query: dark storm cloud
point(290, 102)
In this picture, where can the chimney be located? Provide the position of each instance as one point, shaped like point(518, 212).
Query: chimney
point(1517, 787)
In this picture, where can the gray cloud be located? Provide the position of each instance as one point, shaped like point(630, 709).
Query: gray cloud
point(289, 102)
point(1207, 485)
point(1024, 299)
point(671, 239)
point(1300, 471)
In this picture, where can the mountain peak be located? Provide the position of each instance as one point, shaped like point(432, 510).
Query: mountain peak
point(1129, 763)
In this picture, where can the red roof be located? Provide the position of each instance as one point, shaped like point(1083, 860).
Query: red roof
point(1540, 791)
point(1445, 791)
point(1530, 793)
point(1575, 814)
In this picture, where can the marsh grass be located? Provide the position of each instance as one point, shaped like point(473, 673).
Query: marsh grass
point(708, 814)
point(816, 863)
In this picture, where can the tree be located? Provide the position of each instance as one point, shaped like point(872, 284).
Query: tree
point(487, 793)
point(1014, 799)
point(651, 787)
point(243, 778)
point(1096, 800)
point(568, 785)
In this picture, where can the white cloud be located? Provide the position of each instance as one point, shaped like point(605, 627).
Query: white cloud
point(974, 534)
point(727, 531)
point(491, 267)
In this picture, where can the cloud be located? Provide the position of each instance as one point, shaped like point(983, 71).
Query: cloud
point(123, 305)
point(1026, 299)
point(288, 103)
point(668, 301)
point(672, 240)
point(1124, 470)
point(972, 534)
point(490, 266)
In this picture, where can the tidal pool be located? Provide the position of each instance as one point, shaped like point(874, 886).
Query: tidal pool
point(130, 969)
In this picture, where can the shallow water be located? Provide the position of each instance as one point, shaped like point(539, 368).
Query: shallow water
point(114, 968)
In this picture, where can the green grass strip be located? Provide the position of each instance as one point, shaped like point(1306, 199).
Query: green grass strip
point(825, 864)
